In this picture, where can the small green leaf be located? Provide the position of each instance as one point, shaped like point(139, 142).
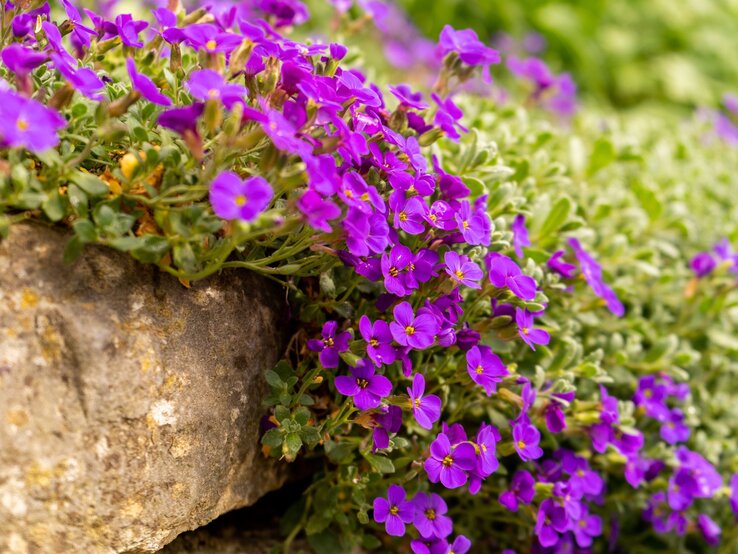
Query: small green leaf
point(556, 217)
point(380, 463)
point(91, 184)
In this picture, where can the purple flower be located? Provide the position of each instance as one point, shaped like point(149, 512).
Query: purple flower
point(556, 263)
point(529, 334)
point(466, 43)
point(474, 225)
point(702, 264)
point(318, 211)
point(364, 386)
point(421, 269)
point(447, 117)
point(393, 263)
point(430, 519)
point(394, 511)
point(331, 345)
point(365, 234)
point(505, 273)
point(389, 420)
point(674, 430)
point(129, 29)
point(234, 198)
point(21, 60)
point(525, 439)
point(27, 123)
point(146, 86)
point(82, 79)
point(426, 409)
point(461, 545)
point(592, 272)
point(378, 339)
point(182, 120)
point(449, 464)
point(418, 332)
point(485, 368)
point(534, 70)
point(486, 447)
point(710, 530)
point(462, 269)
point(207, 84)
point(734, 494)
point(522, 489)
point(550, 522)
point(586, 527)
point(582, 479)
point(409, 214)
point(408, 98)
point(208, 37)
point(520, 235)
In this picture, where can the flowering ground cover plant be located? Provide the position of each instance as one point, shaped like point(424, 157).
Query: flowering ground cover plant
point(501, 344)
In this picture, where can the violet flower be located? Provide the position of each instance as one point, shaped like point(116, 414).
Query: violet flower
point(145, 86)
point(555, 262)
point(505, 273)
point(317, 210)
point(236, 198)
point(702, 264)
point(331, 345)
point(388, 421)
point(485, 368)
point(207, 84)
point(592, 272)
point(378, 339)
point(426, 409)
point(550, 522)
point(394, 511)
point(466, 43)
point(366, 388)
point(521, 490)
point(673, 429)
point(525, 439)
point(430, 519)
point(710, 530)
point(520, 235)
point(530, 335)
point(586, 527)
point(449, 464)
point(129, 29)
point(393, 263)
point(408, 330)
point(462, 269)
point(27, 123)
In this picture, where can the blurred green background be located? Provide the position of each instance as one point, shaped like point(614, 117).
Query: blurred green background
point(625, 52)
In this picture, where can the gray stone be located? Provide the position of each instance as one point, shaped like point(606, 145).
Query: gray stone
point(129, 405)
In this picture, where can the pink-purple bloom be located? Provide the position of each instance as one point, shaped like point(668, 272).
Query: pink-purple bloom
point(485, 368)
point(394, 511)
point(408, 330)
point(236, 198)
point(527, 331)
point(366, 388)
point(462, 270)
point(425, 407)
point(330, 345)
point(449, 463)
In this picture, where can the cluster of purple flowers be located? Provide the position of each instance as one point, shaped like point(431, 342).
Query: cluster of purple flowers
point(369, 194)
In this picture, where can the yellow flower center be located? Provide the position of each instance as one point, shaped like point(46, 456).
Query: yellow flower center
point(328, 342)
point(409, 330)
point(348, 193)
point(403, 216)
point(363, 383)
point(525, 330)
point(365, 197)
point(22, 124)
point(479, 369)
point(465, 224)
point(521, 445)
point(459, 274)
point(394, 510)
point(448, 461)
point(213, 93)
point(211, 44)
point(240, 200)
point(374, 342)
point(417, 402)
point(430, 514)
point(394, 272)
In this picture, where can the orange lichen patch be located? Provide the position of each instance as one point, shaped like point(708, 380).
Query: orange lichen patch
point(112, 182)
point(17, 417)
point(29, 299)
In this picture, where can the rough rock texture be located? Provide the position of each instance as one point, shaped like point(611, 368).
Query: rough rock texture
point(129, 405)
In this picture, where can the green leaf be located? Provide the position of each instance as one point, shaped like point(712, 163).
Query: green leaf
point(91, 184)
point(55, 206)
point(603, 154)
point(293, 442)
point(273, 378)
point(272, 438)
point(380, 463)
point(73, 249)
point(85, 230)
point(556, 217)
